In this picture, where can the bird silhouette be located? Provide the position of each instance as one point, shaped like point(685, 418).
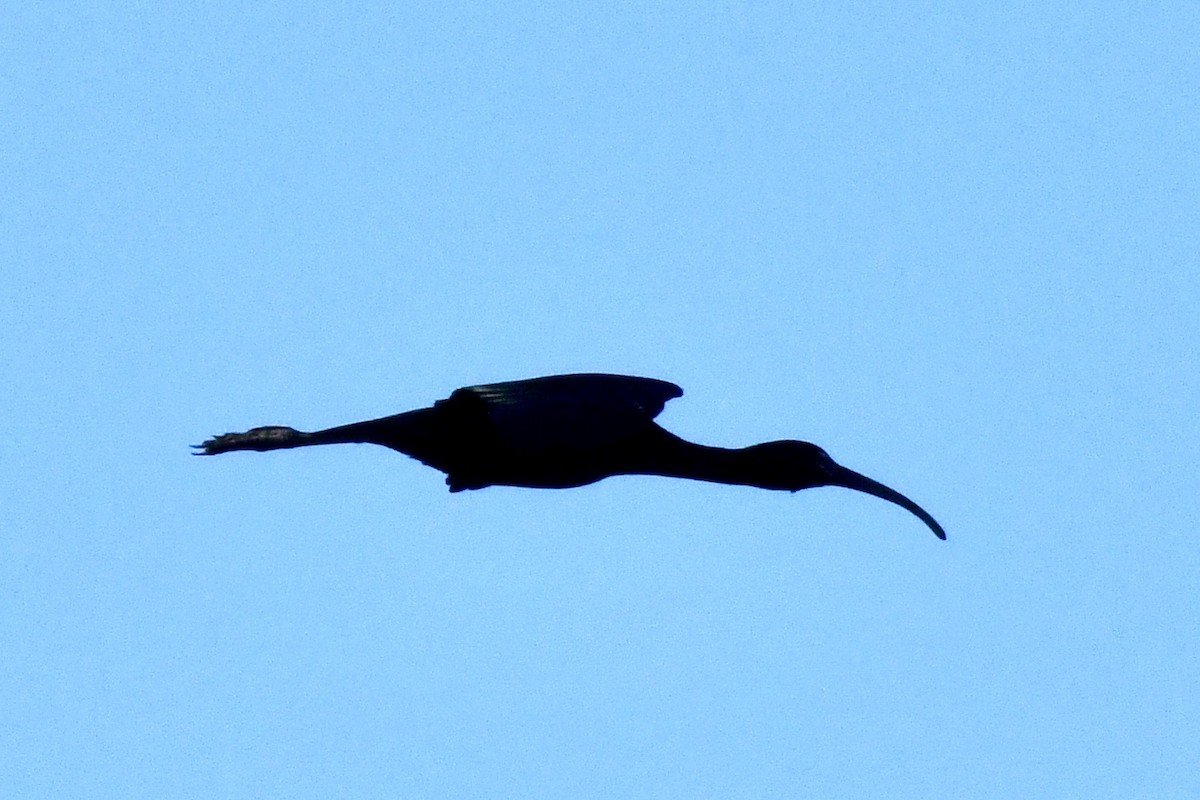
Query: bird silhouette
point(565, 431)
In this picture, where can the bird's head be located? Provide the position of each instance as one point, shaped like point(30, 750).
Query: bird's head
point(790, 465)
point(793, 466)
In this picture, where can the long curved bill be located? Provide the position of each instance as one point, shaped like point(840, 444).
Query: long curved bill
point(861, 483)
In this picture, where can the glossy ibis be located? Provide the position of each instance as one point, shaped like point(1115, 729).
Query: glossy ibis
point(570, 430)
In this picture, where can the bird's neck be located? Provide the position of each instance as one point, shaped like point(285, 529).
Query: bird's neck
point(679, 458)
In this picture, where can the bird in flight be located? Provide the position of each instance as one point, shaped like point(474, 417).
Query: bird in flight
point(564, 431)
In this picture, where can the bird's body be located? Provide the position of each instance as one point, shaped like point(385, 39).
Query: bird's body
point(565, 431)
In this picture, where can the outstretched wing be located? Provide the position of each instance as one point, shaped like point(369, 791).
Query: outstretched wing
point(570, 412)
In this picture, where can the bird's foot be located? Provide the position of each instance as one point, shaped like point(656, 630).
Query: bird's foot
point(273, 437)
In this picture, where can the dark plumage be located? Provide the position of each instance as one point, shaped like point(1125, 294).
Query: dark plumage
point(570, 430)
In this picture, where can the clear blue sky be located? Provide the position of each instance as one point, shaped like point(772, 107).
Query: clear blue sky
point(957, 248)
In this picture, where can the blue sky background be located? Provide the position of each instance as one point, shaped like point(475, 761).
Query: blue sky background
point(956, 247)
